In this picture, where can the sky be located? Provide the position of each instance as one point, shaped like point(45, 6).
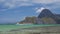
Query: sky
point(12, 11)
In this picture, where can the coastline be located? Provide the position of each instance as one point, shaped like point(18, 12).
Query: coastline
point(35, 30)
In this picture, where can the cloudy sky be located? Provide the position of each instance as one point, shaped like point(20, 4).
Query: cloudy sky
point(16, 10)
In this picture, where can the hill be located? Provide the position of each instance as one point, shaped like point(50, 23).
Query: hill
point(45, 17)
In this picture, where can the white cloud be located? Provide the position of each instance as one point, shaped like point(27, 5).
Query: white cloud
point(13, 3)
point(40, 9)
point(17, 3)
point(52, 6)
point(45, 1)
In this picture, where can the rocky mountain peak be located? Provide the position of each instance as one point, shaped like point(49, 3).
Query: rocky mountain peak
point(45, 13)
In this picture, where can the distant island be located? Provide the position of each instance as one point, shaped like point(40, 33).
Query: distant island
point(45, 17)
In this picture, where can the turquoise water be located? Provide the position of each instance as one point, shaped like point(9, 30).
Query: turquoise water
point(11, 27)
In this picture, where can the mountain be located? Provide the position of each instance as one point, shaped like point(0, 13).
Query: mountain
point(29, 20)
point(46, 13)
point(58, 18)
point(45, 17)
point(58, 15)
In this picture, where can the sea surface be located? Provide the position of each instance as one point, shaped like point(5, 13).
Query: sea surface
point(19, 26)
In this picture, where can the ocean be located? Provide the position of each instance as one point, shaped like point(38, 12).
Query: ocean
point(11, 27)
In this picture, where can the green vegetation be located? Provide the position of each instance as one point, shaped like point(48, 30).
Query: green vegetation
point(29, 20)
point(48, 20)
point(33, 20)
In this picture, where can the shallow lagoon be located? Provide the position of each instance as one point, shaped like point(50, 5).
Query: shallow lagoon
point(11, 27)
point(30, 29)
